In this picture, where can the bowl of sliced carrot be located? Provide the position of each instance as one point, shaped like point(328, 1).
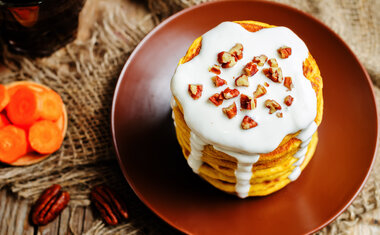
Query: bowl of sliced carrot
point(33, 123)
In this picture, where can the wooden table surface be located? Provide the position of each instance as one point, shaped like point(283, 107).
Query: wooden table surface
point(14, 213)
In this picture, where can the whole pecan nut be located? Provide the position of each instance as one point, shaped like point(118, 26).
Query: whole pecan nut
point(50, 204)
point(111, 207)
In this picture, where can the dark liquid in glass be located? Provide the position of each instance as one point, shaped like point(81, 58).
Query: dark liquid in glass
point(38, 28)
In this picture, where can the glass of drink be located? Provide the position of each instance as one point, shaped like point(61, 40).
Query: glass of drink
point(38, 27)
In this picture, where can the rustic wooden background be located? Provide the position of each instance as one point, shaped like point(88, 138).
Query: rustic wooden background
point(14, 213)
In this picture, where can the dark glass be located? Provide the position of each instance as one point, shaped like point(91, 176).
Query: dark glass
point(39, 27)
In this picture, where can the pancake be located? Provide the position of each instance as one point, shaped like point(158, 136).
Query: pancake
point(254, 147)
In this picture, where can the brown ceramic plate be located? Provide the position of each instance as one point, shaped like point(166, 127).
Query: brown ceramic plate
point(152, 162)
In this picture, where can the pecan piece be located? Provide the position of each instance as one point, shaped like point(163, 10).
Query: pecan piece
point(248, 123)
point(195, 91)
point(279, 115)
point(274, 74)
point(272, 105)
point(273, 63)
point(237, 51)
point(218, 81)
point(230, 111)
point(288, 100)
point(266, 84)
point(260, 60)
point(250, 69)
point(215, 69)
point(260, 91)
point(226, 59)
point(111, 207)
point(288, 83)
point(228, 93)
point(246, 102)
point(49, 205)
point(284, 52)
point(216, 99)
point(242, 80)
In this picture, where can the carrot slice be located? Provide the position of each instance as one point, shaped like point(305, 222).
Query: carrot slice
point(4, 97)
point(12, 143)
point(3, 120)
point(23, 109)
point(51, 105)
point(45, 137)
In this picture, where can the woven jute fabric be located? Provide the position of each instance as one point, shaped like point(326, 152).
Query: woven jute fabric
point(85, 73)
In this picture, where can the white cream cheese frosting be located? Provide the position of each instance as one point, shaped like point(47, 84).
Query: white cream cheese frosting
point(209, 125)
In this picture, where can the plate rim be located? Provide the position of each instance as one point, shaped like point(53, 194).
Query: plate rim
point(207, 4)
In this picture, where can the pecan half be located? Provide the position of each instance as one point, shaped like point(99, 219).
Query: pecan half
point(111, 207)
point(50, 204)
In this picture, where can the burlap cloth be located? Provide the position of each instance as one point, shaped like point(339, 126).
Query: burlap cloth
point(85, 73)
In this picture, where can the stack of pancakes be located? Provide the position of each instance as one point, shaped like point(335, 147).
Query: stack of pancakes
point(273, 170)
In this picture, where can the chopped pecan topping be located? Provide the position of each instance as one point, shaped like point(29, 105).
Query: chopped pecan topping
point(216, 99)
point(226, 59)
point(248, 123)
point(273, 63)
point(279, 115)
point(266, 84)
point(250, 69)
point(246, 102)
point(272, 105)
point(215, 69)
point(230, 111)
point(237, 51)
point(260, 60)
point(218, 81)
point(260, 91)
point(274, 74)
point(288, 100)
point(288, 83)
point(242, 80)
point(195, 91)
point(284, 52)
point(228, 93)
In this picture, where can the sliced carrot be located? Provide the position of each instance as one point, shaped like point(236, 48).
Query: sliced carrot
point(4, 97)
point(45, 137)
point(51, 105)
point(13, 143)
point(23, 109)
point(3, 120)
